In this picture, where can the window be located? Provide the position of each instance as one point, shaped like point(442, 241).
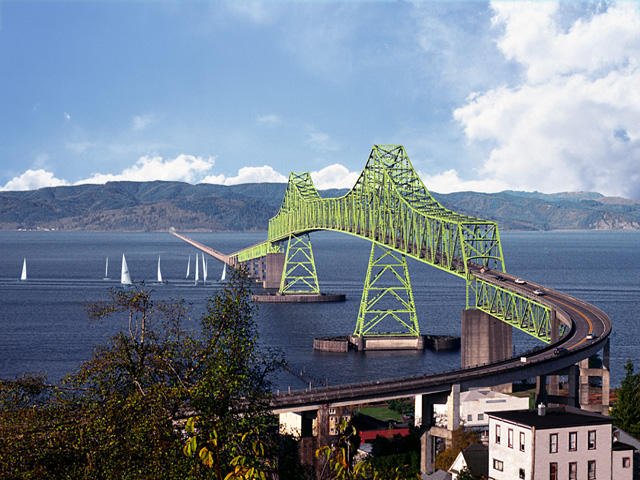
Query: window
point(573, 441)
point(592, 439)
point(591, 470)
point(553, 443)
point(573, 471)
point(497, 465)
point(626, 462)
point(553, 471)
point(510, 438)
point(521, 474)
point(469, 418)
point(498, 434)
point(480, 417)
point(522, 441)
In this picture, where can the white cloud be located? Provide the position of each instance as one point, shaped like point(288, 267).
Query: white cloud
point(262, 174)
point(321, 142)
point(256, 12)
point(33, 180)
point(140, 122)
point(183, 168)
point(67, 117)
point(571, 122)
point(270, 119)
point(449, 181)
point(334, 176)
point(79, 147)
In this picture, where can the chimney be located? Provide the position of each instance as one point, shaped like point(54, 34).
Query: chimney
point(541, 409)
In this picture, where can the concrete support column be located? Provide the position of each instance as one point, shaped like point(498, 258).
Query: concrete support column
point(484, 339)
point(274, 264)
point(584, 383)
point(308, 443)
point(574, 386)
point(541, 390)
point(605, 377)
point(423, 417)
point(453, 411)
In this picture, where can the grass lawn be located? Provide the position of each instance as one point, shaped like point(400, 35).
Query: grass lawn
point(381, 413)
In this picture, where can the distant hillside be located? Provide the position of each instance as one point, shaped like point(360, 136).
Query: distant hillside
point(155, 206)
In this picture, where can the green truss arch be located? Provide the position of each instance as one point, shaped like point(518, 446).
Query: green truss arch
point(390, 206)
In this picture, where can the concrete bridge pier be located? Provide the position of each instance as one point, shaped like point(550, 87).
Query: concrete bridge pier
point(266, 269)
point(603, 372)
point(424, 418)
point(300, 425)
point(274, 264)
point(485, 339)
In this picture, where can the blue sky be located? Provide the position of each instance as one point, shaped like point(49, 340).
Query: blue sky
point(484, 96)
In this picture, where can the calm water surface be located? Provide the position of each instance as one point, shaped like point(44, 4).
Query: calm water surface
point(43, 326)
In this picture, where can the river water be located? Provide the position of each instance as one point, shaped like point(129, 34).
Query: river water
point(43, 326)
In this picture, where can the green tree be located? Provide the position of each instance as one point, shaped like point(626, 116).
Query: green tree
point(626, 408)
point(122, 414)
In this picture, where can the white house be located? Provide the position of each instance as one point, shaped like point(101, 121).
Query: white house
point(475, 406)
point(555, 443)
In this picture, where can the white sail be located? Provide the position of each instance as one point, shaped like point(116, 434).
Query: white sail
point(24, 270)
point(159, 272)
point(125, 278)
point(106, 270)
point(188, 266)
point(197, 271)
point(204, 268)
point(224, 273)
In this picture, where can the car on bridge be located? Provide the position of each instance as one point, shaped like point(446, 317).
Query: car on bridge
point(520, 281)
point(538, 292)
point(559, 351)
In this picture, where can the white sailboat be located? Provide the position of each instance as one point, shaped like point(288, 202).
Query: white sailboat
point(224, 273)
point(188, 266)
point(106, 270)
point(204, 268)
point(24, 270)
point(197, 271)
point(159, 272)
point(125, 278)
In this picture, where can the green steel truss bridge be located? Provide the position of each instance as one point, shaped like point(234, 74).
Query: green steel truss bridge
point(390, 206)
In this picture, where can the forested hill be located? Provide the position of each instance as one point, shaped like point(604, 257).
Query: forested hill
point(156, 206)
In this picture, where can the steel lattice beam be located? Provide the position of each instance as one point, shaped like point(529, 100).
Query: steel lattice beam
point(390, 205)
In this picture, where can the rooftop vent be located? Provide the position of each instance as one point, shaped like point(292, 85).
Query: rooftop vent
point(541, 409)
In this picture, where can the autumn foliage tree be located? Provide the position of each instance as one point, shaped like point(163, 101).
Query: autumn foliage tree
point(460, 439)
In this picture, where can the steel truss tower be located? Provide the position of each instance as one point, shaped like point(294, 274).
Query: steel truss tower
point(387, 300)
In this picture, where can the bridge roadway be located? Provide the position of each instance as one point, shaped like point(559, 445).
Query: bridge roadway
point(581, 317)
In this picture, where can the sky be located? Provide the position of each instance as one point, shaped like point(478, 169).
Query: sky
point(538, 96)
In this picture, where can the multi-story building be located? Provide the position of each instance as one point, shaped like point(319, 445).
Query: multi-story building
point(475, 405)
point(555, 443)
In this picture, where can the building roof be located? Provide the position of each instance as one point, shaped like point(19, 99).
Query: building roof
point(621, 446)
point(484, 394)
point(554, 417)
point(437, 475)
point(476, 456)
